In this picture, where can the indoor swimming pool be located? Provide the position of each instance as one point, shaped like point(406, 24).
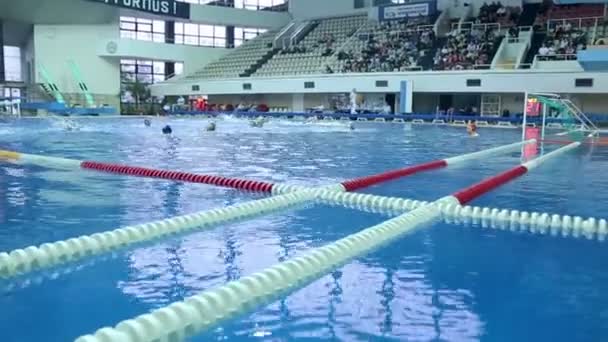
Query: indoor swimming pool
point(446, 280)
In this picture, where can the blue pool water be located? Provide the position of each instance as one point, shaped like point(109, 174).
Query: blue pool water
point(445, 282)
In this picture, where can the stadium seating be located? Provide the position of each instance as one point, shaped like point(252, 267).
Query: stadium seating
point(355, 44)
point(385, 47)
point(311, 54)
point(471, 48)
point(569, 28)
point(239, 60)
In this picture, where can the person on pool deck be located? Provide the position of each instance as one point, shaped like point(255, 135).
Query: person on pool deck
point(147, 123)
point(167, 130)
point(472, 129)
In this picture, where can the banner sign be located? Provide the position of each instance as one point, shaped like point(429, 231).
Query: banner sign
point(409, 10)
point(169, 8)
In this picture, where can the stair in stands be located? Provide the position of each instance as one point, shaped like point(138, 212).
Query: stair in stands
point(427, 62)
point(528, 14)
point(258, 64)
point(537, 41)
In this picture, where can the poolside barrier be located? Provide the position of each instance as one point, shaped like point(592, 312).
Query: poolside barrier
point(201, 311)
point(31, 258)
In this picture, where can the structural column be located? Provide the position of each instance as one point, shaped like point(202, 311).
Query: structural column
point(2, 76)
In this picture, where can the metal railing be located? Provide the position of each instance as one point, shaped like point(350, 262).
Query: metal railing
point(576, 23)
point(555, 57)
point(470, 25)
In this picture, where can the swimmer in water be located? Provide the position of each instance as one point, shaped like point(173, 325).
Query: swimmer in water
point(70, 125)
point(147, 123)
point(472, 129)
point(167, 130)
point(351, 126)
point(258, 122)
point(210, 127)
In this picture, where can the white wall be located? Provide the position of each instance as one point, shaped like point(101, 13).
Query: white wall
point(194, 57)
point(56, 44)
point(238, 17)
point(558, 65)
point(308, 9)
point(503, 81)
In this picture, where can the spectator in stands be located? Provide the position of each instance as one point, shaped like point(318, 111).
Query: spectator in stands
point(464, 50)
point(394, 46)
point(563, 42)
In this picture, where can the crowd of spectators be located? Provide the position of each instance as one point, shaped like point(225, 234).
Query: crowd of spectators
point(397, 45)
point(465, 49)
point(562, 43)
point(497, 13)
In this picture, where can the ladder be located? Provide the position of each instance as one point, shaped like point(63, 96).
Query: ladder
point(575, 121)
point(586, 123)
point(81, 85)
point(50, 86)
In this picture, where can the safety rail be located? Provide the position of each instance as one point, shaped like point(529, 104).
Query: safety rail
point(576, 23)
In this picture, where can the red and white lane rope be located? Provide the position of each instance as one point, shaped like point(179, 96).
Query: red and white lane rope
point(243, 184)
point(64, 163)
point(24, 260)
point(363, 182)
point(204, 310)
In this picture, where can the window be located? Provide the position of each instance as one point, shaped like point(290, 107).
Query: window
point(144, 71)
point(142, 29)
point(12, 63)
point(254, 5)
point(474, 83)
point(243, 34)
point(257, 5)
point(200, 35)
point(246, 86)
point(309, 85)
point(381, 84)
point(583, 82)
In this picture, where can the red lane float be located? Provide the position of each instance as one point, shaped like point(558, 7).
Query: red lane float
point(466, 195)
point(363, 182)
point(240, 184)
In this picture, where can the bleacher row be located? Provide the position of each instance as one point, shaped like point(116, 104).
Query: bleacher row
point(354, 44)
point(239, 60)
point(312, 53)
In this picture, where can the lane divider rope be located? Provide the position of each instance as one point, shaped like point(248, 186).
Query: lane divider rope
point(64, 163)
point(504, 219)
point(21, 261)
point(363, 182)
point(240, 184)
point(248, 185)
point(199, 312)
